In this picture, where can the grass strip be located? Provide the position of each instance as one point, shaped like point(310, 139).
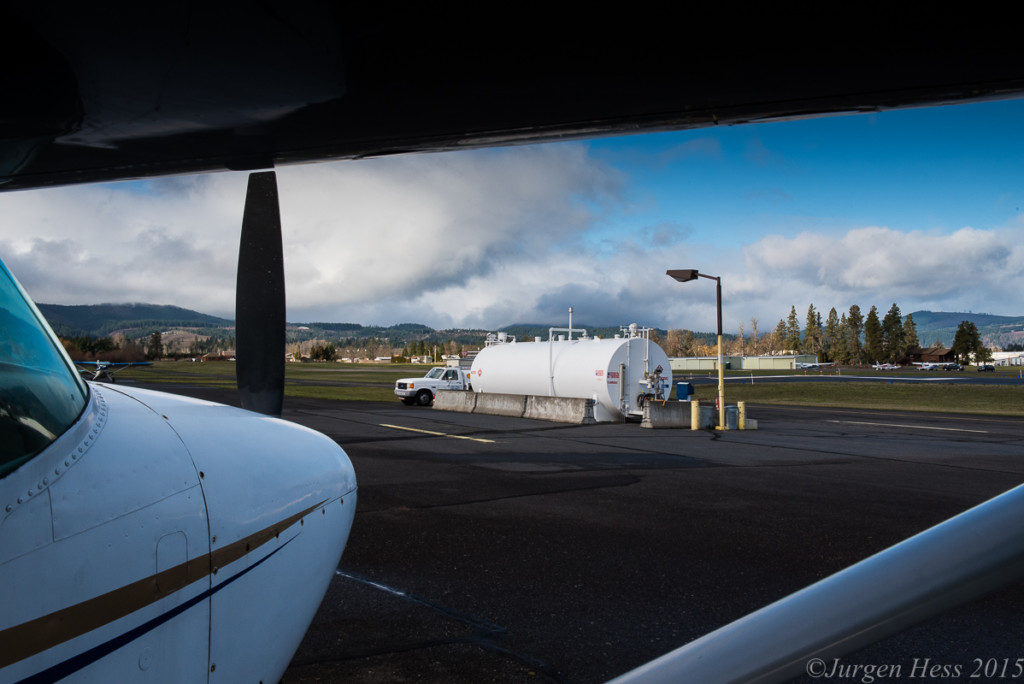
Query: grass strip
point(374, 382)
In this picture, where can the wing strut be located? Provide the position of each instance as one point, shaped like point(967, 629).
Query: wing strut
point(959, 560)
point(259, 300)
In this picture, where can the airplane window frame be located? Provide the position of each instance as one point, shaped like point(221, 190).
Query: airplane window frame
point(41, 393)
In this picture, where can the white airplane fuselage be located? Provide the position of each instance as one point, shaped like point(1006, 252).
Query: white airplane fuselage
point(162, 538)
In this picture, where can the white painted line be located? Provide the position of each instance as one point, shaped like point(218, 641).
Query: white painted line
point(438, 434)
point(915, 427)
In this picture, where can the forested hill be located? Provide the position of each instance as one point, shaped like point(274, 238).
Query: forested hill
point(138, 320)
point(997, 331)
point(99, 320)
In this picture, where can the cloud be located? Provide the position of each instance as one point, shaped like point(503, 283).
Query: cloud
point(480, 239)
point(966, 269)
point(384, 229)
point(118, 242)
point(374, 239)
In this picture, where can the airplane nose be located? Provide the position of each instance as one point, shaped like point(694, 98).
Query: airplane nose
point(280, 500)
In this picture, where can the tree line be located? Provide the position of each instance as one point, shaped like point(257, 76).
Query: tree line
point(118, 348)
point(849, 338)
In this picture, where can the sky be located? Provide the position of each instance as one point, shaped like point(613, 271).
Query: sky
point(918, 207)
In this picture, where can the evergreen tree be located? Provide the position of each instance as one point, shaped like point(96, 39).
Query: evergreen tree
point(854, 328)
point(792, 333)
point(322, 352)
point(832, 338)
point(910, 333)
point(873, 350)
point(778, 337)
point(893, 345)
point(842, 348)
point(812, 332)
point(156, 347)
point(689, 344)
point(967, 343)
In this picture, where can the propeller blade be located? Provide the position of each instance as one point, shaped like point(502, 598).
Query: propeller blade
point(259, 300)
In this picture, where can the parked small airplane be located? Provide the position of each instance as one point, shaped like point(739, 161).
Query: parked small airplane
point(169, 533)
point(886, 366)
point(928, 366)
point(103, 371)
point(813, 366)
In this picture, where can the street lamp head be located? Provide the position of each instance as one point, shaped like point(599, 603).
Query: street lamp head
point(683, 275)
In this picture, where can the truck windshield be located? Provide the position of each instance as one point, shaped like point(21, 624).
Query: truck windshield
point(435, 373)
point(41, 394)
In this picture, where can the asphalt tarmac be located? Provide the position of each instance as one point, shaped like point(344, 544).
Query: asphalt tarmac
point(490, 549)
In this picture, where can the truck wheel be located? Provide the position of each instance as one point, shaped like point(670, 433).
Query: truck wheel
point(424, 398)
point(409, 401)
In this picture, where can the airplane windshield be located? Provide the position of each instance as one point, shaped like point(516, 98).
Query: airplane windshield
point(41, 395)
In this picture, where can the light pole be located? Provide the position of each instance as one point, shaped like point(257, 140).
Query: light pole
point(684, 276)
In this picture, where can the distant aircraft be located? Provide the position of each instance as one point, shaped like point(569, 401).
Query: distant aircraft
point(103, 371)
point(814, 366)
point(928, 366)
point(886, 366)
point(149, 536)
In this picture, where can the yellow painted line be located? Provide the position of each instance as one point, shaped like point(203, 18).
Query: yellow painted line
point(438, 434)
point(915, 427)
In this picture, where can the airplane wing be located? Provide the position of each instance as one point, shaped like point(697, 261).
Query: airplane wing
point(113, 364)
point(251, 86)
point(118, 367)
point(99, 371)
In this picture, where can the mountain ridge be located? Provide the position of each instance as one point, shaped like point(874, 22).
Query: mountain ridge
point(139, 319)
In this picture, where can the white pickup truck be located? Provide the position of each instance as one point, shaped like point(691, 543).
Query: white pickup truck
point(421, 390)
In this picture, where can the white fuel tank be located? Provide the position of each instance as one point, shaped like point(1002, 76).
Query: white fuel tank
point(613, 372)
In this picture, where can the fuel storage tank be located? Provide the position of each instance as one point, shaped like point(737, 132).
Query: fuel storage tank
point(617, 373)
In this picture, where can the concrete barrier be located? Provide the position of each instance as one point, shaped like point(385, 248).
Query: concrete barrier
point(560, 409)
point(666, 414)
point(676, 414)
point(458, 401)
point(500, 404)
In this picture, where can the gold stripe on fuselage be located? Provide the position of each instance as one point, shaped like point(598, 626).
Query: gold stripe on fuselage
point(35, 636)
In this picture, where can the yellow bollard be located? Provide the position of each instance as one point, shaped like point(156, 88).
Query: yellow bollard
point(694, 415)
point(742, 418)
